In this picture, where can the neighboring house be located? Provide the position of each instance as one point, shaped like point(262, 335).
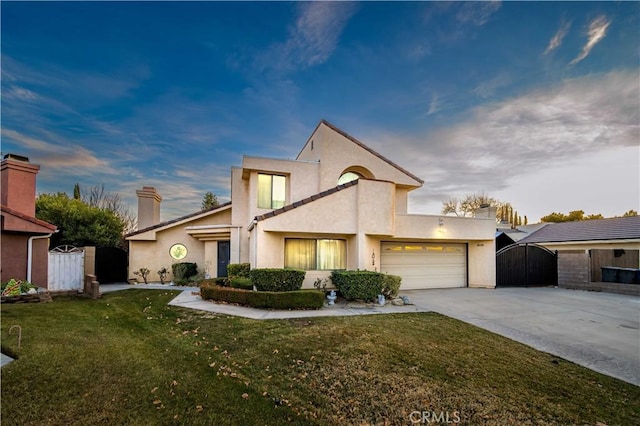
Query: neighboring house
point(338, 205)
point(25, 239)
point(586, 246)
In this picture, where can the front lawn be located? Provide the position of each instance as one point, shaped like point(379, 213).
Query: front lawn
point(128, 358)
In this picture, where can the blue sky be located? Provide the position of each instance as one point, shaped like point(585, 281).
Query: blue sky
point(536, 103)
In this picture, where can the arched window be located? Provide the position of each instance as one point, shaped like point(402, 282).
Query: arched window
point(348, 177)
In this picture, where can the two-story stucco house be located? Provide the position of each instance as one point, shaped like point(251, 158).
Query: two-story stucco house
point(338, 205)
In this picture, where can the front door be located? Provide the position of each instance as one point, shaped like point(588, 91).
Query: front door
point(224, 254)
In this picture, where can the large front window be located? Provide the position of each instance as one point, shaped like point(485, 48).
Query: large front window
point(271, 191)
point(321, 254)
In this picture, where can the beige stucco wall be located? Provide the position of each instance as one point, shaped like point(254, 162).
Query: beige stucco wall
point(154, 254)
point(364, 215)
point(336, 154)
point(601, 245)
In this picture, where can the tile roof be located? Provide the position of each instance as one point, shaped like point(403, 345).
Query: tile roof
point(306, 200)
point(618, 228)
point(27, 218)
point(178, 219)
point(365, 147)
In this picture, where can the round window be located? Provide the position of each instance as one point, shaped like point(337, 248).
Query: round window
point(178, 251)
point(348, 177)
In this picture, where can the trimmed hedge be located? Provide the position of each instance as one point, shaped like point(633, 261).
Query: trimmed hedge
point(277, 279)
point(391, 285)
point(238, 270)
point(363, 285)
point(240, 282)
point(301, 299)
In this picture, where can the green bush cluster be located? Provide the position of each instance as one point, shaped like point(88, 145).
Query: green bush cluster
point(238, 270)
point(300, 299)
point(277, 279)
point(241, 282)
point(182, 272)
point(391, 285)
point(363, 285)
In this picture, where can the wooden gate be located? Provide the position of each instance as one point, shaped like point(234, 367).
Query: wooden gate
point(111, 265)
point(66, 269)
point(526, 265)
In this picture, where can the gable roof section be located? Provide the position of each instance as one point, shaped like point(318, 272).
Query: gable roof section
point(21, 222)
point(303, 202)
point(363, 146)
point(177, 220)
point(618, 228)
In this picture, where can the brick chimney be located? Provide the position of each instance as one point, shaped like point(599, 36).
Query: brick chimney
point(148, 207)
point(18, 184)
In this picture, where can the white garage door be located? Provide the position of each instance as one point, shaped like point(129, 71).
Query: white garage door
point(426, 265)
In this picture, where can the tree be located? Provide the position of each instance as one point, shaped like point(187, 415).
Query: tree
point(96, 196)
point(469, 204)
point(573, 216)
point(466, 206)
point(78, 223)
point(630, 213)
point(209, 200)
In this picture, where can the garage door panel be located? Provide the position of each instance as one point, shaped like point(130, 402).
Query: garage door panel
point(425, 265)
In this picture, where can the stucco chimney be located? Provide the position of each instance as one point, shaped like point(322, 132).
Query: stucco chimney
point(18, 186)
point(485, 212)
point(148, 207)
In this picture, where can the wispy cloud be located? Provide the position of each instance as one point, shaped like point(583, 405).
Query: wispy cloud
point(59, 156)
point(597, 31)
point(557, 38)
point(312, 38)
point(433, 105)
point(477, 13)
point(544, 128)
point(488, 88)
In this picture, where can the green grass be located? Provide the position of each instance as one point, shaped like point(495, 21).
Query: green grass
point(128, 358)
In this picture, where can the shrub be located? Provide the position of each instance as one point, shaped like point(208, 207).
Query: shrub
point(240, 282)
point(277, 279)
point(162, 273)
point(300, 299)
point(391, 285)
point(144, 273)
point(363, 285)
point(183, 271)
point(238, 270)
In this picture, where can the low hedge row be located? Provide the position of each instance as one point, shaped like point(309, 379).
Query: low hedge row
point(300, 299)
point(277, 279)
point(238, 270)
point(365, 285)
point(240, 282)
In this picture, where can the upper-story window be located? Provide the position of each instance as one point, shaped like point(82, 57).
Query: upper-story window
point(348, 177)
point(271, 191)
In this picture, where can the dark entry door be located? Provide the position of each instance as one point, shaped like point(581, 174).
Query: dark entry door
point(526, 265)
point(224, 255)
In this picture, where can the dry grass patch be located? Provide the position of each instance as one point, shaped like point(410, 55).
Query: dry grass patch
point(130, 359)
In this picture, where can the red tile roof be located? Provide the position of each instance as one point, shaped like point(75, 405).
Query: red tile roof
point(26, 218)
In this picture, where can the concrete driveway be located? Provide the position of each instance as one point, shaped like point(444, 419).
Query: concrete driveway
point(600, 331)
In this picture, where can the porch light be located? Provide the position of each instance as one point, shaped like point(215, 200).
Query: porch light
point(441, 222)
point(373, 258)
